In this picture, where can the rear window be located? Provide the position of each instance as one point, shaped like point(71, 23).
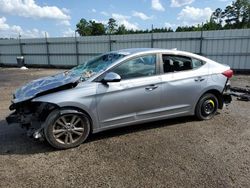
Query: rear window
point(174, 63)
point(197, 63)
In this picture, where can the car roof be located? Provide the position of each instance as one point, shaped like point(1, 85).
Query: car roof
point(134, 51)
point(131, 51)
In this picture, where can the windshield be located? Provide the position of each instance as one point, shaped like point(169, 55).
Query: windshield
point(96, 65)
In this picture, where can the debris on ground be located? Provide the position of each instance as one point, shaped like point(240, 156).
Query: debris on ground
point(23, 68)
point(242, 94)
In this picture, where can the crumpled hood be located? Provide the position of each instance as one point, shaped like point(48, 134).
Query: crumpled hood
point(35, 87)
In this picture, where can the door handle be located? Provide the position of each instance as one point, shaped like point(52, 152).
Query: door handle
point(151, 87)
point(199, 79)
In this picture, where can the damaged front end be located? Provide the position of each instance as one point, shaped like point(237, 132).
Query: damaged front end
point(31, 116)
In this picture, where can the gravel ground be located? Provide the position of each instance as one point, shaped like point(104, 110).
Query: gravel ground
point(179, 152)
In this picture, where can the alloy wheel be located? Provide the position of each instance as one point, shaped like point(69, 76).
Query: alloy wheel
point(68, 128)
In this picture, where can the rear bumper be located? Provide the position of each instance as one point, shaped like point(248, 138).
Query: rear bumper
point(226, 95)
point(227, 98)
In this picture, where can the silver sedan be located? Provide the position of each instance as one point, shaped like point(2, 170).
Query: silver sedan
point(120, 88)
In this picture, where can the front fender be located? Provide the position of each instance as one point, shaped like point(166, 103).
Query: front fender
point(62, 112)
point(86, 104)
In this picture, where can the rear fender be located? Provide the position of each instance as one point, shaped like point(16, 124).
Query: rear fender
point(214, 91)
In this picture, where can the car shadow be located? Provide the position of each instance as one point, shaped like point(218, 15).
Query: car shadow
point(140, 127)
point(13, 139)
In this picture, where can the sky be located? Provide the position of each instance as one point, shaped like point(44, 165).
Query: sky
point(58, 18)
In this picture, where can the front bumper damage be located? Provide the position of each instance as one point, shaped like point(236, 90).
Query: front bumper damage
point(30, 116)
point(13, 118)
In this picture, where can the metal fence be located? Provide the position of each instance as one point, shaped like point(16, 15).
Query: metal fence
point(230, 47)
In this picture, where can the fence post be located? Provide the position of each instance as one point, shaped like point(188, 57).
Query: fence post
point(201, 39)
point(110, 43)
point(0, 56)
point(152, 36)
point(77, 50)
point(47, 49)
point(20, 45)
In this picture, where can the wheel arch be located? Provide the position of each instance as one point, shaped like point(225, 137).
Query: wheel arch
point(218, 95)
point(85, 109)
point(57, 113)
point(68, 109)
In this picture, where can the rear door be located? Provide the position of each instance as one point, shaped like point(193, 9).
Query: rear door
point(184, 78)
point(135, 97)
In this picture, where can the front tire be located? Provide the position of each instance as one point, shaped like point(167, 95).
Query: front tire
point(66, 128)
point(206, 107)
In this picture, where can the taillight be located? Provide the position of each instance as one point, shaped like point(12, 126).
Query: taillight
point(229, 73)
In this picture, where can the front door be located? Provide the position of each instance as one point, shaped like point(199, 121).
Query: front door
point(135, 97)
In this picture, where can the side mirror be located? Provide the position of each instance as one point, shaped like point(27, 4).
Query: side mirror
point(111, 77)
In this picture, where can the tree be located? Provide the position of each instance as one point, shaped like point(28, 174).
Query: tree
point(83, 28)
point(162, 30)
point(237, 15)
point(211, 25)
point(112, 26)
point(121, 30)
point(187, 28)
point(97, 28)
point(217, 16)
point(234, 16)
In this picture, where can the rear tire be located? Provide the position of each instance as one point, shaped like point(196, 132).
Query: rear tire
point(206, 107)
point(66, 128)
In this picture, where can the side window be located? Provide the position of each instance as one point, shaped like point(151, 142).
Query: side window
point(138, 67)
point(197, 63)
point(173, 63)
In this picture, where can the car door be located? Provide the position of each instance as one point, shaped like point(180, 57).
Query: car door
point(184, 79)
point(133, 98)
